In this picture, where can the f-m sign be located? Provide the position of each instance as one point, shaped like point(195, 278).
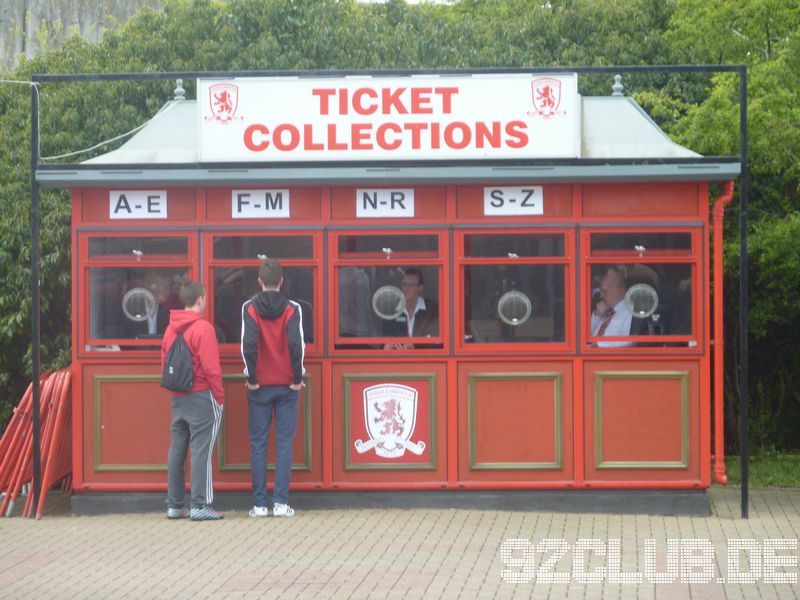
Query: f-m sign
point(384, 203)
point(137, 204)
point(260, 204)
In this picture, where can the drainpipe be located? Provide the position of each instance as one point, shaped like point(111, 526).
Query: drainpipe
point(717, 342)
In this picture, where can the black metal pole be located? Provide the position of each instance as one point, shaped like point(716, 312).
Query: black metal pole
point(35, 304)
point(744, 426)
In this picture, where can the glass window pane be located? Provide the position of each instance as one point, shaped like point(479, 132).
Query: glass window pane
point(389, 301)
point(233, 286)
point(641, 243)
point(250, 247)
point(132, 302)
point(514, 303)
point(521, 245)
point(647, 299)
point(138, 248)
point(356, 246)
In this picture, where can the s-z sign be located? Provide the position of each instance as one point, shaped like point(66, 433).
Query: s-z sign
point(260, 204)
point(137, 204)
point(513, 201)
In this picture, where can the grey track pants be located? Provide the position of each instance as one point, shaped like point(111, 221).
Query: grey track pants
point(195, 423)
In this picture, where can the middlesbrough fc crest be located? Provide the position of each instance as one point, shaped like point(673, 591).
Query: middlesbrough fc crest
point(546, 97)
point(390, 413)
point(224, 100)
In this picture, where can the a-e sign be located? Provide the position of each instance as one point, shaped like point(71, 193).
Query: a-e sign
point(137, 204)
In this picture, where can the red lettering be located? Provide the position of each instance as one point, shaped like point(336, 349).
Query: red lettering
point(332, 143)
point(294, 137)
point(450, 138)
point(342, 101)
point(392, 99)
point(416, 131)
point(250, 134)
point(517, 134)
point(447, 94)
point(420, 101)
point(482, 134)
point(308, 139)
point(357, 102)
point(324, 95)
point(359, 136)
point(381, 136)
point(435, 141)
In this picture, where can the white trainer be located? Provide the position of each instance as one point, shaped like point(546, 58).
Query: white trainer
point(259, 511)
point(282, 510)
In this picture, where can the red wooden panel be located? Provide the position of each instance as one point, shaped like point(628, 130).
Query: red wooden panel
point(641, 200)
point(557, 202)
point(305, 205)
point(234, 443)
point(389, 422)
point(181, 206)
point(642, 420)
point(515, 421)
point(430, 202)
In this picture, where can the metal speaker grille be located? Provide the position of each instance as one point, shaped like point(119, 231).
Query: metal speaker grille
point(387, 302)
point(514, 308)
point(642, 299)
point(139, 304)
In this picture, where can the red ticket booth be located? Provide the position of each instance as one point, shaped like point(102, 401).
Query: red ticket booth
point(501, 218)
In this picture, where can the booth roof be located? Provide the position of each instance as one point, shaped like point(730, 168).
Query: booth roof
point(620, 142)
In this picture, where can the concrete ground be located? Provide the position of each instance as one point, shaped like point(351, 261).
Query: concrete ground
point(414, 553)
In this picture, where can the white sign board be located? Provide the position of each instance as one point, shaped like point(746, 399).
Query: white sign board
point(384, 203)
point(260, 204)
point(511, 201)
point(137, 204)
point(421, 117)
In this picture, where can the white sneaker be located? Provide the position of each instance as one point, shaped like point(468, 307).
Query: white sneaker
point(259, 511)
point(282, 510)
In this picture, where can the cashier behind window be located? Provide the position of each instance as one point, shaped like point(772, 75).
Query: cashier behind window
point(611, 316)
point(420, 316)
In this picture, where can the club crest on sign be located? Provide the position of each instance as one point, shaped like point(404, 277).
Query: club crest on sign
point(224, 100)
point(546, 97)
point(390, 414)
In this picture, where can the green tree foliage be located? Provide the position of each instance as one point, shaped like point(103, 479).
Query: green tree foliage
point(699, 111)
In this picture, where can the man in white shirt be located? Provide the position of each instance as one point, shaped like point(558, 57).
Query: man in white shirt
point(419, 317)
point(611, 316)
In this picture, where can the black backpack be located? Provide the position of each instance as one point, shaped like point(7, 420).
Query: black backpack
point(178, 375)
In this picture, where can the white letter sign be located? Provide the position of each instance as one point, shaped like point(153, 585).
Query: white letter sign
point(384, 203)
point(513, 201)
point(137, 204)
point(260, 204)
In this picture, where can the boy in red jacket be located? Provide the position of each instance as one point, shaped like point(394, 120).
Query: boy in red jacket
point(272, 349)
point(196, 414)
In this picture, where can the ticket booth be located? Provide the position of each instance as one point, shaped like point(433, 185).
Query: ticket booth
point(495, 204)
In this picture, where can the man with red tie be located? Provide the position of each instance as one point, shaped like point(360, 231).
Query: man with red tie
point(611, 316)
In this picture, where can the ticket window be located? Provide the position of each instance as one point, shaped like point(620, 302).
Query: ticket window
point(131, 282)
point(650, 278)
point(389, 291)
point(233, 273)
point(516, 290)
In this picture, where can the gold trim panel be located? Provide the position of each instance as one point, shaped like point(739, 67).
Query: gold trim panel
point(683, 376)
point(558, 402)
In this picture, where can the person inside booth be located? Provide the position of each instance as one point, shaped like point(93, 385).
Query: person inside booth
point(611, 315)
point(419, 316)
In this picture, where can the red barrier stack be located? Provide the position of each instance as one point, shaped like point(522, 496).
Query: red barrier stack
point(16, 444)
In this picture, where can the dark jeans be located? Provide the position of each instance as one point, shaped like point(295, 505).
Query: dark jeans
point(263, 403)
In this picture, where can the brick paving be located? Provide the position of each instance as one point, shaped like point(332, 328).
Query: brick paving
point(419, 553)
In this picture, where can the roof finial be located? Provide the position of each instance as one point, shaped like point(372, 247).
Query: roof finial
point(616, 89)
point(180, 93)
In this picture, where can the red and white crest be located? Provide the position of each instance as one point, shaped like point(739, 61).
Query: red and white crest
point(390, 414)
point(224, 100)
point(546, 96)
